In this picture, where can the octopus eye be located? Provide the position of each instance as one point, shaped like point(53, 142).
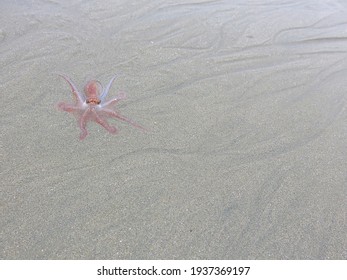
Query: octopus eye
point(95, 101)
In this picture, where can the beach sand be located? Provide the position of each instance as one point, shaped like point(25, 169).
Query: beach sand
point(245, 155)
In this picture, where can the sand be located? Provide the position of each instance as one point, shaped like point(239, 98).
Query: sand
point(245, 157)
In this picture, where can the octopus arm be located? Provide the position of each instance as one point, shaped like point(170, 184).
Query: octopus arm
point(68, 107)
point(83, 123)
point(115, 115)
point(104, 123)
point(106, 90)
point(109, 103)
point(79, 97)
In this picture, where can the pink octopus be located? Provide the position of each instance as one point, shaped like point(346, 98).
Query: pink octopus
point(92, 106)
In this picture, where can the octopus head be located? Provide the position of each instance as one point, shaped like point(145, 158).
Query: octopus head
point(92, 91)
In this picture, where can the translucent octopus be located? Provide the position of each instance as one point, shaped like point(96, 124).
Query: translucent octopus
point(93, 106)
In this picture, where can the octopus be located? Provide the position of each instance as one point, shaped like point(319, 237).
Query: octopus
point(93, 106)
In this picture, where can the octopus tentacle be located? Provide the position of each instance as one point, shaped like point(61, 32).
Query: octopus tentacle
point(67, 107)
point(83, 123)
point(113, 114)
point(120, 96)
point(106, 90)
point(79, 97)
point(104, 123)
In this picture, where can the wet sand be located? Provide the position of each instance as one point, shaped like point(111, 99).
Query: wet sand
point(245, 157)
